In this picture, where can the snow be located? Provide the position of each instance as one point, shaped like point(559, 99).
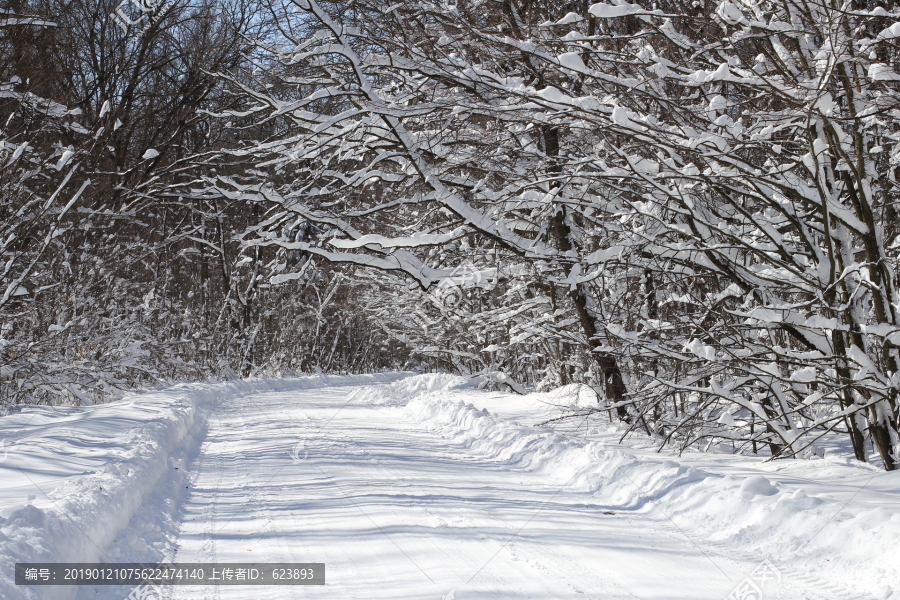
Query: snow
point(890, 33)
point(73, 478)
point(398, 242)
point(569, 19)
point(424, 487)
point(64, 159)
point(731, 14)
point(572, 60)
point(722, 73)
point(757, 486)
point(608, 11)
point(882, 72)
point(18, 151)
point(718, 103)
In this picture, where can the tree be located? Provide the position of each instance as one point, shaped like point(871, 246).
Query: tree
point(703, 197)
point(111, 277)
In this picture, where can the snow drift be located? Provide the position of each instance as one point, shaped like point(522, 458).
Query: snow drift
point(88, 470)
point(737, 510)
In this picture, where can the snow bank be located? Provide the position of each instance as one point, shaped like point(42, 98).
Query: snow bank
point(399, 393)
point(753, 516)
point(86, 471)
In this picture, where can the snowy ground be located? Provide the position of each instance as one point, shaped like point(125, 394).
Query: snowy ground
point(423, 487)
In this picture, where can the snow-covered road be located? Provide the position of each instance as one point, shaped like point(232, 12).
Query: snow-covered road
point(404, 495)
point(396, 511)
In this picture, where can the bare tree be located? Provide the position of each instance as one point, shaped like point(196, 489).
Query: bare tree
point(711, 222)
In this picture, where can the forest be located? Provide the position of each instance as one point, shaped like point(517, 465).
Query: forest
point(687, 206)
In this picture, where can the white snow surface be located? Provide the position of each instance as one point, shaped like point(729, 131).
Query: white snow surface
point(74, 478)
point(423, 487)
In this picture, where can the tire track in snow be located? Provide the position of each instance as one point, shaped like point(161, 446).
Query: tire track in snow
point(372, 480)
